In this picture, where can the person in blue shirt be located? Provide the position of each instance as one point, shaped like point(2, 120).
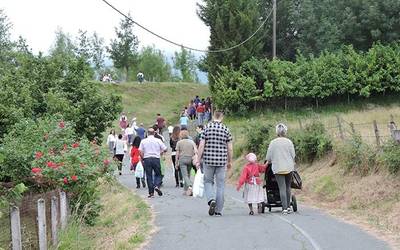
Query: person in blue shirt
point(184, 120)
point(141, 131)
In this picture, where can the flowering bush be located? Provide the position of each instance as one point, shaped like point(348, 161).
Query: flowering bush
point(46, 155)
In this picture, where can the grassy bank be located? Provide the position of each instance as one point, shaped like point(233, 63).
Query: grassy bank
point(124, 223)
point(146, 100)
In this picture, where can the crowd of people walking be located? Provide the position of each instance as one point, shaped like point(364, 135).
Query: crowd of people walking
point(210, 151)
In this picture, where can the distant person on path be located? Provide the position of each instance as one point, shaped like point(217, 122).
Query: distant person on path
point(184, 120)
point(199, 130)
point(123, 121)
point(216, 151)
point(173, 140)
point(130, 133)
point(192, 111)
point(120, 150)
point(160, 121)
point(140, 77)
point(151, 149)
point(141, 131)
point(111, 139)
point(281, 154)
point(251, 177)
point(200, 113)
point(133, 123)
point(186, 151)
point(197, 100)
point(135, 159)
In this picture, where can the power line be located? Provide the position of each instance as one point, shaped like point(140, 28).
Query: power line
point(187, 47)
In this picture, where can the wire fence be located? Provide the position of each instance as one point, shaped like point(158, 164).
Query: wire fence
point(34, 222)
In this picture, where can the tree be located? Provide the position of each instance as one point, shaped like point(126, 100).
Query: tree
point(97, 52)
point(63, 45)
point(185, 63)
point(123, 49)
point(154, 65)
point(83, 45)
point(5, 27)
point(230, 23)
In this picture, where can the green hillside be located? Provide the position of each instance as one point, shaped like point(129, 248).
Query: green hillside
point(146, 100)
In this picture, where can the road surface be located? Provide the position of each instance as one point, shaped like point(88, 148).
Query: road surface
point(183, 223)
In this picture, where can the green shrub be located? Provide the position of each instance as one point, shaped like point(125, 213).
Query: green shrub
point(258, 138)
point(391, 156)
point(357, 156)
point(311, 143)
point(47, 155)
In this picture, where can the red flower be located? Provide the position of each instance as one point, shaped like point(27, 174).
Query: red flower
point(52, 165)
point(65, 180)
point(74, 178)
point(106, 162)
point(38, 155)
point(75, 145)
point(61, 124)
point(36, 170)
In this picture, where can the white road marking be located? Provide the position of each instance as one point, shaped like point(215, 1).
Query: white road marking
point(299, 229)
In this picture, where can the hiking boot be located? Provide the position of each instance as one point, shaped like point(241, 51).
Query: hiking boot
point(213, 205)
point(218, 214)
point(158, 191)
point(150, 196)
point(289, 210)
point(189, 192)
point(284, 212)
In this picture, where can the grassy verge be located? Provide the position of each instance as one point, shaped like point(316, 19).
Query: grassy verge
point(124, 223)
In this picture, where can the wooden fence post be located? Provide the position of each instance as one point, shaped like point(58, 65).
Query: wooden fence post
point(63, 209)
point(54, 220)
point(300, 124)
point(41, 219)
point(378, 142)
point(352, 128)
point(15, 228)
point(339, 121)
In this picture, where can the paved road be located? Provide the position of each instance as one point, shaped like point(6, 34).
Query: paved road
point(183, 223)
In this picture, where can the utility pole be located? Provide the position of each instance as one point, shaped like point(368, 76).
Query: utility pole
point(274, 29)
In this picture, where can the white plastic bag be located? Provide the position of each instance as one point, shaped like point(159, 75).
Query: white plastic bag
point(139, 172)
point(198, 184)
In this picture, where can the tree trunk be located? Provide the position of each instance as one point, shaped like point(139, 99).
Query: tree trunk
point(127, 73)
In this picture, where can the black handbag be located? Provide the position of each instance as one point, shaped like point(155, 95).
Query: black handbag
point(296, 180)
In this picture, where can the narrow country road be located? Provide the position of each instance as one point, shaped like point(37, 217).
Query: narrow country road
point(183, 223)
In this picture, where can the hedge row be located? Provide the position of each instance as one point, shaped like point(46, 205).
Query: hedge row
point(261, 81)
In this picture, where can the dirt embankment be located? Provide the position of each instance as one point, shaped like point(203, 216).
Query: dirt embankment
point(372, 202)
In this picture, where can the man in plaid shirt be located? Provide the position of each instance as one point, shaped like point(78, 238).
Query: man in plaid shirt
point(216, 151)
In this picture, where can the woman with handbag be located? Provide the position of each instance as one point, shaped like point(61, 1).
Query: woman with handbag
point(186, 151)
point(281, 154)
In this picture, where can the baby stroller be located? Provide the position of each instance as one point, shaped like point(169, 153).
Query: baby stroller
point(273, 199)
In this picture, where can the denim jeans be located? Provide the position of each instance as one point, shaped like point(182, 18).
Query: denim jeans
point(200, 118)
point(219, 174)
point(152, 165)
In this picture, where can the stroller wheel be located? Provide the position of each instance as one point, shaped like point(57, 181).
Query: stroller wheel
point(294, 203)
point(262, 207)
point(270, 208)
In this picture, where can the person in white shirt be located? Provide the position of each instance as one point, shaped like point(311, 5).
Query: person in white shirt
point(151, 149)
point(111, 142)
point(130, 134)
point(120, 150)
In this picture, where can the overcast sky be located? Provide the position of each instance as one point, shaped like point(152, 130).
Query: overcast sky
point(37, 20)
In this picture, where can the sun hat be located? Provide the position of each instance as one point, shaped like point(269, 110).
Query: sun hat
point(251, 157)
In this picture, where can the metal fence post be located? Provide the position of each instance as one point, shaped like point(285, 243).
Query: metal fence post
point(15, 228)
point(41, 219)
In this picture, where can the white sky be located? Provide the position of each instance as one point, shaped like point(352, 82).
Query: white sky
point(37, 20)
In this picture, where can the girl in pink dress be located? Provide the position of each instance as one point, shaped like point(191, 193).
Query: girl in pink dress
point(251, 178)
